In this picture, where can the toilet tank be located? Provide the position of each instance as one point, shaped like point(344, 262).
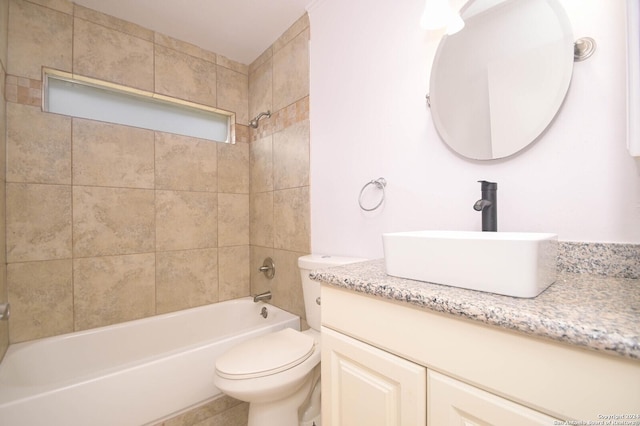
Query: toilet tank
point(310, 288)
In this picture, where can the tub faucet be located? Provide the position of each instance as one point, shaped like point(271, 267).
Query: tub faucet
point(488, 205)
point(262, 297)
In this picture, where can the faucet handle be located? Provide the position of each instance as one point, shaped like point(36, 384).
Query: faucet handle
point(268, 268)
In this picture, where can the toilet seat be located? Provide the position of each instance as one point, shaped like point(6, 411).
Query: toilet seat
point(265, 355)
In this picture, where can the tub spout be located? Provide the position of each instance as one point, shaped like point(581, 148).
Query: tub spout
point(262, 297)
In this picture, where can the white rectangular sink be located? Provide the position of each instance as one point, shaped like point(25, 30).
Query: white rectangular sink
point(519, 264)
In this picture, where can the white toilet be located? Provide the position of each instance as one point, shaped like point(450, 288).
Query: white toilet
point(278, 373)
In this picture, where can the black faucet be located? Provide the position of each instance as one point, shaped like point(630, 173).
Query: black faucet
point(488, 205)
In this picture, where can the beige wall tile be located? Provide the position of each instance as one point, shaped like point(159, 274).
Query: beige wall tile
point(233, 93)
point(291, 227)
point(185, 163)
point(291, 71)
point(261, 156)
point(184, 47)
point(287, 283)
point(112, 289)
point(233, 272)
point(41, 297)
point(260, 90)
point(59, 5)
point(260, 283)
point(185, 279)
point(203, 412)
point(232, 65)
point(38, 146)
point(107, 154)
point(38, 222)
point(112, 221)
point(4, 32)
point(233, 219)
point(112, 55)
point(233, 168)
point(113, 22)
point(38, 36)
point(185, 77)
point(292, 32)
point(235, 416)
point(261, 219)
point(261, 60)
point(291, 156)
point(186, 220)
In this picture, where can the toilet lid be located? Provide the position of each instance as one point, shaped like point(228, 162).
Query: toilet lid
point(265, 355)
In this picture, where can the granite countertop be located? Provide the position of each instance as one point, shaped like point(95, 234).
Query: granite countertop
point(591, 311)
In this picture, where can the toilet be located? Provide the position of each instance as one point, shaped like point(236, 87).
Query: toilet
point(279, 373)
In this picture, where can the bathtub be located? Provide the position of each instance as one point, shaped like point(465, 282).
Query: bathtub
point(130, 373)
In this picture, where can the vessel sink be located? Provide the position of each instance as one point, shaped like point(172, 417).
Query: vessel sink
point(518, 264)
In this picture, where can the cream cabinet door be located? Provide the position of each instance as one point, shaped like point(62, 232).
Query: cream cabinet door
point(363, 385)
point(451, 402)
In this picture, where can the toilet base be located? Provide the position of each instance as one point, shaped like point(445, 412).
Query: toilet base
point(280, 413)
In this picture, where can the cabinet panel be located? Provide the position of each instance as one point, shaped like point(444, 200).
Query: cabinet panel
point(363, 385)
point(453, 403)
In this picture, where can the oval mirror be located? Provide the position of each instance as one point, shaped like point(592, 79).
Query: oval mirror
point(498, 83)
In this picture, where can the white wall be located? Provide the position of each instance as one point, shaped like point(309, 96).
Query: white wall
point(370, 66)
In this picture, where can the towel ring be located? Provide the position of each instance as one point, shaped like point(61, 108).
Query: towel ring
point(380, 183)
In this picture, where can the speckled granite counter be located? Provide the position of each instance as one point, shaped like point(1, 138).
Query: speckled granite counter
point(596, 312)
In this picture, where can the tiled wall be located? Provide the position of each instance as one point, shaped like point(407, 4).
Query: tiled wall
point(280, 218)
point(4, 16)
point(108, 223)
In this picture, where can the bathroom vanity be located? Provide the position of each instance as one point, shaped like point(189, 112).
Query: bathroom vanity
point(403, 352)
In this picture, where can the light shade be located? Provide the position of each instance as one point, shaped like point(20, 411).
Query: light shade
point(439, 14)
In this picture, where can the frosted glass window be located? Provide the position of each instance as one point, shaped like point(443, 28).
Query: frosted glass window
point(80, 99)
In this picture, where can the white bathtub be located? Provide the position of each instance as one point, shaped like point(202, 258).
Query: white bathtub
point(130, 373)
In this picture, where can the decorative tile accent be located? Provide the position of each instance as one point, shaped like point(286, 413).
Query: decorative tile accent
point(38, 146)
point(282, 119)
point(24, 91)
point(113, 289)
point(112, 221)
point(613, 260)
point(185, 163)
point(107, 154)
point(41, 297)
point(185, 279)
point(38, 222)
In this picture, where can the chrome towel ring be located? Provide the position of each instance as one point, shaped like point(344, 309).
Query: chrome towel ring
point(380, 183)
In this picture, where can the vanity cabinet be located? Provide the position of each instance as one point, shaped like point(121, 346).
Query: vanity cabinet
point(385, 363)
point(454, 403)
point(363, 385)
